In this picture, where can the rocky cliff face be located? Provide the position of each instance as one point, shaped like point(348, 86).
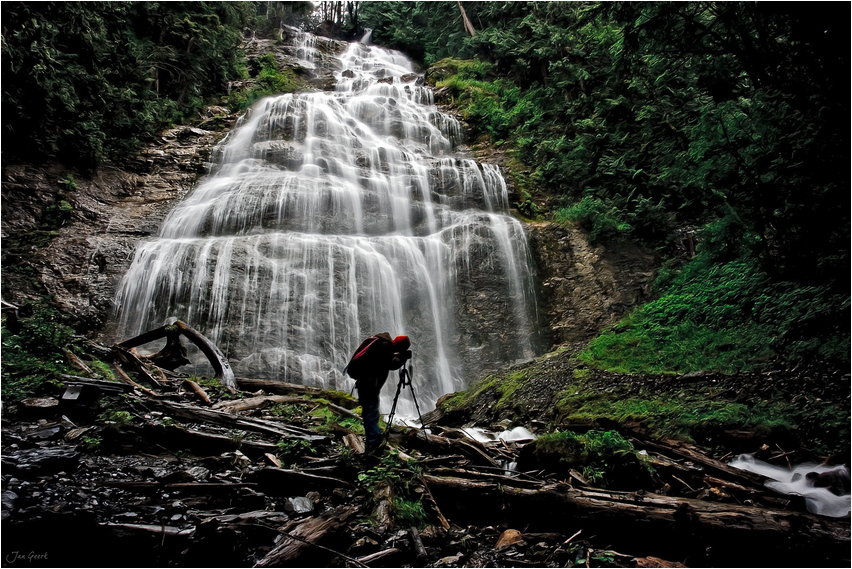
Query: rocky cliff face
point(585, 288)
point(109, 214)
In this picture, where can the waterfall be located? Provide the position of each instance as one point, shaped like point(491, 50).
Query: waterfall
point(331, 216)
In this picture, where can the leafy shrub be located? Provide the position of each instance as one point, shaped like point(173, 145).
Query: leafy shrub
point(33, 356)
point(270, 81)
point(605, 458)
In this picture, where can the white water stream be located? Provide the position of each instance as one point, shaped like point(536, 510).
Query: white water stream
point(796, 481)
point(331, 216)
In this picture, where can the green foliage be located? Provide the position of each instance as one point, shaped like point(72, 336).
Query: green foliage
point(391, 470)
point(285, 411)
point(92, 444)
point(408, 513)
point(505, 385)
point(602, 222)
point(291, 449)
point(85, 81)
point(597, 454)
point(102, 370)
point(646, 117)
point(116, 418)
point(33, 355)
point(724, 316)
point(270, 81)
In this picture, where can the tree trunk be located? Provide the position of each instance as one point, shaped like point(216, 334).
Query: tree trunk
point(468, 27)
point(648, 522)
point(311, 531)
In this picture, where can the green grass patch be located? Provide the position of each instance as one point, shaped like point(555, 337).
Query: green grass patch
point(726, 317)
point(505, 384)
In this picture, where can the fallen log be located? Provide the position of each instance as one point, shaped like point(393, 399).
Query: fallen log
point(354, 442)
point(176, 437)
point(129, 358)
point(123, 375)
point(651, 522)
point(234, 421)
point(687, 452)
point(283, 388)
point(259, 402)
point(439, 445)
point(484, 476)
point(154, 529)
point(217, 359)
point(198, 390)
point(373, 557)
point(262, 401)
point(308, 534)
point(285, 482)
point(382, 497)
point(417, 543)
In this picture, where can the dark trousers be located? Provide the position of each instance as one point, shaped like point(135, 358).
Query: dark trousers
point(369, 400)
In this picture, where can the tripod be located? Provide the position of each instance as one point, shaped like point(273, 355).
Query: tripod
point(404, 381)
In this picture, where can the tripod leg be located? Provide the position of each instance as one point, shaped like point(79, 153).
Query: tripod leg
point(395, 399)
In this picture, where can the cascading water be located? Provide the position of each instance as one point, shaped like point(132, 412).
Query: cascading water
point(331, 216)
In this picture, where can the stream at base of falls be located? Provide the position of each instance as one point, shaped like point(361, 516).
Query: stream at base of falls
point(331, 216)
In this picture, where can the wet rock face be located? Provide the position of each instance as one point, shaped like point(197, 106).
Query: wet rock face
point(585, 288)
point(111, 213)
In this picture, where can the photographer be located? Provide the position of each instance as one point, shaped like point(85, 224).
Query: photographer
point(370, 365)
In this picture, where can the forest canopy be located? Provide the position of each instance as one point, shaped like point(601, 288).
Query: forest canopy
point(87, 81)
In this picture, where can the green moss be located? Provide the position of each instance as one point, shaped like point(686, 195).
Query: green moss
point(605, 458)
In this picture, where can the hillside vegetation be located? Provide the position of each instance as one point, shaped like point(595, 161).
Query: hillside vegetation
point(710, 131)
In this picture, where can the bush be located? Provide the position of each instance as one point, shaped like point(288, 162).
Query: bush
point(33, 355)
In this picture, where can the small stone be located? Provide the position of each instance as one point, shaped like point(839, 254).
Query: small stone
point(198, 473)
point(507, 538)
point(298, 505)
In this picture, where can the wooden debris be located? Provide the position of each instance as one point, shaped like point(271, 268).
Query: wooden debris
point(354, 442)
point(215, 356)
point(283, 388)
point(198, 390)
point(417, 543)
point(273, 459)
point(262, 401)
point(378, 556)
point(234, 421)
point(444, 522)
point(123, 375)
point(131, 359)
point(306, 534)
point(77, 362)
point(287, 482)
point(382, 510)
point(662, 517)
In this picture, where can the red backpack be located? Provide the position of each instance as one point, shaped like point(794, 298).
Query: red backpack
point(371, 358)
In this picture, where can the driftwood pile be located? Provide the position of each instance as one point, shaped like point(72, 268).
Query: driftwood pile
point(175, 473)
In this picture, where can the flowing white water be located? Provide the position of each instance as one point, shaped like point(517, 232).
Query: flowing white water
point(796, 481)
point(331, 216)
